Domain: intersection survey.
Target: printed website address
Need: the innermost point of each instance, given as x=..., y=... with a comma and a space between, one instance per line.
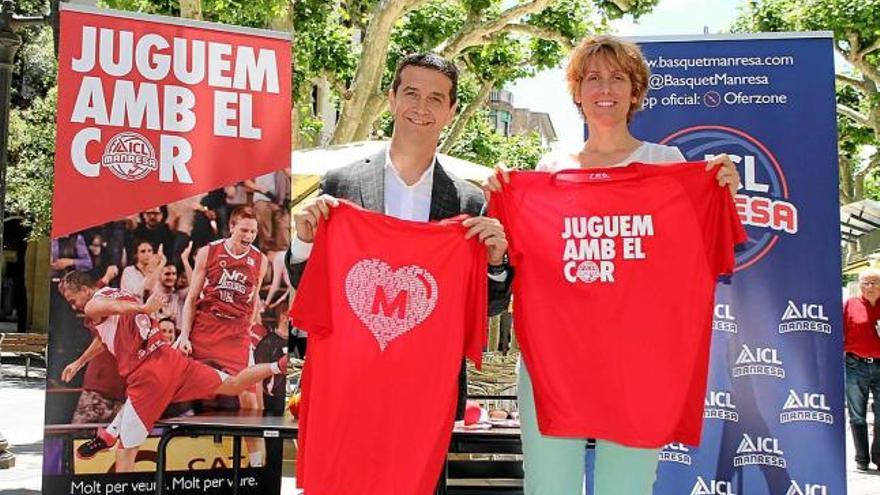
x=662, y=62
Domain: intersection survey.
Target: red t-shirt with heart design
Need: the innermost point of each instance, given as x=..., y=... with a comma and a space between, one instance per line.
x=391, y=306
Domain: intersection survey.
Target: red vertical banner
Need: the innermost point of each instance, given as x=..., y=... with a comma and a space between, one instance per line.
x=152, y=110
x=172, y=179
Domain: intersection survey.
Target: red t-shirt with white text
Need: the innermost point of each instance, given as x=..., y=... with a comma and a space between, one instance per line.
x=391, y=306
x=613, y=295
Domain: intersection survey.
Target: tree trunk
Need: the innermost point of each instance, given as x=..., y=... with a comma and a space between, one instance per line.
x=191, y=9
x=371, y=65
x=360, y=109
x=475, y=34
x=466, y=114
x=297, y=138
x=374, y=107
x=847, y=180
x=283, y=21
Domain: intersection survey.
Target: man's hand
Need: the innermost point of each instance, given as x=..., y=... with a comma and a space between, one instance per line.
x=727, y=174
x=183, y=344
x=154, y=302
x=70, y=371
x=491, y=233
x=305, y=221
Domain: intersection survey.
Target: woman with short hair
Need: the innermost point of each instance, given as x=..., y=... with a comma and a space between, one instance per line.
x=608, y=79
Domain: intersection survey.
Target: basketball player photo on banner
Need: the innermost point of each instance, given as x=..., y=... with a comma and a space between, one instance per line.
x=171, y=203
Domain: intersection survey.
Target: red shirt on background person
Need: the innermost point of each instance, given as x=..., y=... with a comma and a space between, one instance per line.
x=860, y=315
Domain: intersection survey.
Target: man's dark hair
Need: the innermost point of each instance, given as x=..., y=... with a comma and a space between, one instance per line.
x=432, y=61
x=75, y=280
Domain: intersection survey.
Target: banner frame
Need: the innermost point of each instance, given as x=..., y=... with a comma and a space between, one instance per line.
x=784, y=35
x=177, y=21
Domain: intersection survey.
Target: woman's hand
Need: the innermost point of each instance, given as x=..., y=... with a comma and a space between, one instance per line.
x=494, y=183
x=727, y=174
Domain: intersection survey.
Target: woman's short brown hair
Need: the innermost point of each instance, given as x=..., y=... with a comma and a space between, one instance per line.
x=627, y=55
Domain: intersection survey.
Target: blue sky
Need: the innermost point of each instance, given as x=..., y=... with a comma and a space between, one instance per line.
x=546, y=91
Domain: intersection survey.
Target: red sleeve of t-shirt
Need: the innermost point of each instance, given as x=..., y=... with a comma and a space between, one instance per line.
x=476, y=306
x=499, y=207
x=714, y=208
x=722, y=230
x=311, y=308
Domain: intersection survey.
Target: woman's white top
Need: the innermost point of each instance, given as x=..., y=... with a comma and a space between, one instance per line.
x=645, y=153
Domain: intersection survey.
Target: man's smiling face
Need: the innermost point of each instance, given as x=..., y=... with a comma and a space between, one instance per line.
x=422, y=105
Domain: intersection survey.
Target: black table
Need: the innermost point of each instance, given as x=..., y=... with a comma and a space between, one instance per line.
x=235, y=424
x=245, y=423
x=487, y=476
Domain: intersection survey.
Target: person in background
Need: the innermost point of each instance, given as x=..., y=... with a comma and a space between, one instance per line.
x=152, y=228
x=861, y=343
x=167, y=286
x=103, y=390
x=103, y=268
x=69, y=253
x=145, y=271
x=271, y=347
x=278, y=294
x=271, y=198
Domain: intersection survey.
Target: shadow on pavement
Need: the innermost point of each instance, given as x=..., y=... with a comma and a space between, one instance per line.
x=20, y=383
x=35, y=448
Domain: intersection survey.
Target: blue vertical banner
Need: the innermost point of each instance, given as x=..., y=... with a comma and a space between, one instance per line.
x=774, y=421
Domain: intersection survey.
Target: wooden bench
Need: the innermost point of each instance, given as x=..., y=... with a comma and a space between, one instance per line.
x=26, y=345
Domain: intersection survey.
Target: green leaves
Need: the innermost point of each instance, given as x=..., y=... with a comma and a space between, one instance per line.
x=31, y=155
x=323, y=44
x=856, y=28
x=481, y=144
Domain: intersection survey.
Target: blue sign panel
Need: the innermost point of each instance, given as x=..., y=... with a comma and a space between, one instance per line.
x=774, y=421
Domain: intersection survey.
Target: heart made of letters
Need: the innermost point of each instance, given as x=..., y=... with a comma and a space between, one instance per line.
x=390, y=302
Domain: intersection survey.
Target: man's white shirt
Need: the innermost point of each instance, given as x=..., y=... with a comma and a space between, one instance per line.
x=406, y=202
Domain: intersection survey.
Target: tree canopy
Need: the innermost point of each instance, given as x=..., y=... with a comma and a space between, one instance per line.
x=493, y=41
x=856, y=28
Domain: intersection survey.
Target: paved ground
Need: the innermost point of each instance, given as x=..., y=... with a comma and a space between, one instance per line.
x=21, y=421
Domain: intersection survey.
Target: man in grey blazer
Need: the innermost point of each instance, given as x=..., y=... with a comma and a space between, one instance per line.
x=406, y=180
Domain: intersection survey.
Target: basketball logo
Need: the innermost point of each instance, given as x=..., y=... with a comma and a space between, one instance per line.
x=129, y=156
x=588, y=272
